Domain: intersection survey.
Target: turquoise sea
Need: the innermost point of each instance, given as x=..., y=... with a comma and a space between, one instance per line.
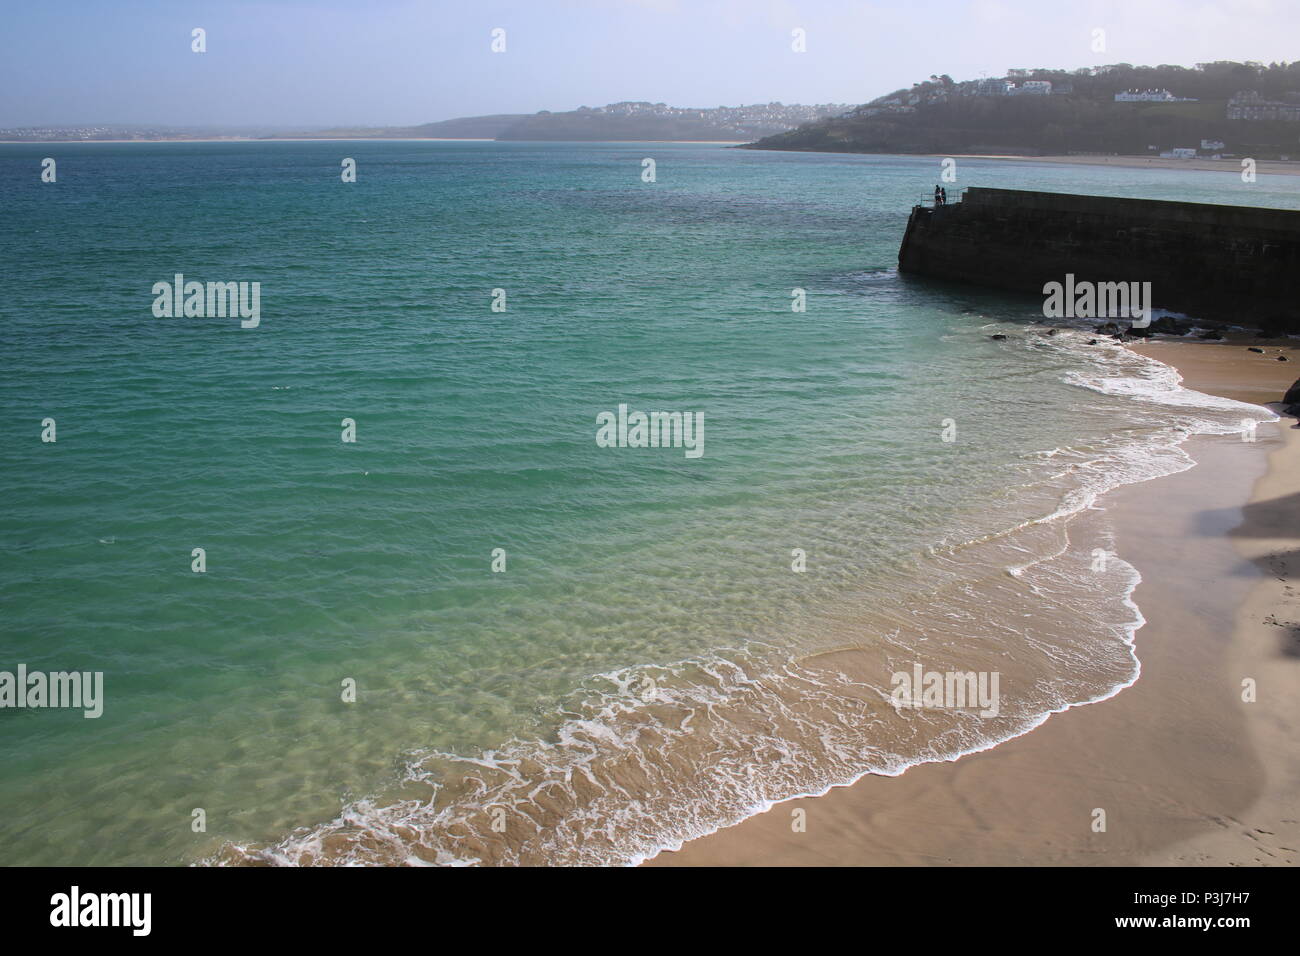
x=648, y=666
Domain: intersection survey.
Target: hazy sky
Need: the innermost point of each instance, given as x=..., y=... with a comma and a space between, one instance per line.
x=394, y=62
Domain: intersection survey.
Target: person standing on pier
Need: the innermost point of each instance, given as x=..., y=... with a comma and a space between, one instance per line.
x=938, y=195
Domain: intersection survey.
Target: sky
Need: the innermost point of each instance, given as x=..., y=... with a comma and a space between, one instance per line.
x=316, y=63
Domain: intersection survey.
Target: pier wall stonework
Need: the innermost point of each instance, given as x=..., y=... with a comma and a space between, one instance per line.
x=1225, y=264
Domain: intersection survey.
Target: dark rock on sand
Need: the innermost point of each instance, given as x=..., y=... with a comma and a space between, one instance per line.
x=1167, y=325
x=1212, y=334
x=1273, y=327
x=1292, y=396
x=1109, y=328
x=1253, y=349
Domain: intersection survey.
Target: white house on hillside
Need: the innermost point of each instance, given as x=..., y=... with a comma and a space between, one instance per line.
x=1145, y=96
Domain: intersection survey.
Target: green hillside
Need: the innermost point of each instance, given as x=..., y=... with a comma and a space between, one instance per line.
x=1080, y=115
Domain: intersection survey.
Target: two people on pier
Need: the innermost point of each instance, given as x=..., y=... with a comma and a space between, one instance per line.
x=940, y=196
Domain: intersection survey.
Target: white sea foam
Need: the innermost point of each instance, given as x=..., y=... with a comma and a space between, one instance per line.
x=729, y=735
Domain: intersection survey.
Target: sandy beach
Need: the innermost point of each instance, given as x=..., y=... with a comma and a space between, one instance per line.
x=1233, y=165
x=1187, y=772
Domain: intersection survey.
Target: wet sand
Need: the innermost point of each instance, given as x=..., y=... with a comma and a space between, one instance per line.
x=1186, y=772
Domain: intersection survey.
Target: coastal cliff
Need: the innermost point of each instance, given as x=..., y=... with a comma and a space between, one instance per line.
x=1226, y=264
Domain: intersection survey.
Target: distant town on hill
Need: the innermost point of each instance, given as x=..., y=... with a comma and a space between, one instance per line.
x=1221, y=109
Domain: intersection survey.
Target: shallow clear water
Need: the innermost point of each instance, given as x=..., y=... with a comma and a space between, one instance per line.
x=475, y=431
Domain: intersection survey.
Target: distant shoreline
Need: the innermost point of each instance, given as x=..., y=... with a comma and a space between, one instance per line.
x=1290, y=167
x=357, y=139
x=1267, y=166
x=249, y=139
